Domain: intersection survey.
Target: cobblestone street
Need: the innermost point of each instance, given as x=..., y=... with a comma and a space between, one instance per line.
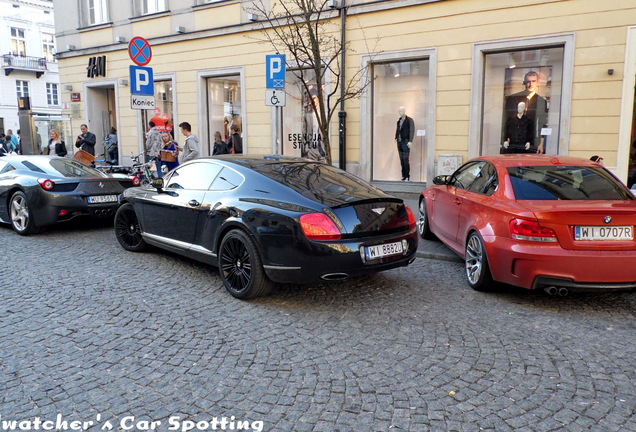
x=95, y=334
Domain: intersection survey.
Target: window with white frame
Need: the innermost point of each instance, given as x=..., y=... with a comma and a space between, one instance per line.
x=18, y=42
x=48, y=47
x=22, y=88
x=52, y=94
x=94, y=12
x=146, y=7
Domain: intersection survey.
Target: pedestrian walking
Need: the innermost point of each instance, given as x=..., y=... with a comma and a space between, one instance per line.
x=191, y=146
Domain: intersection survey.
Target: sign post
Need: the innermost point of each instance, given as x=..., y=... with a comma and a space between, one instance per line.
x=142, y=88
x=275, y=72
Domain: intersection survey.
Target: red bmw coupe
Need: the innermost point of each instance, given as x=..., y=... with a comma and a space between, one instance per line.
x=535, y=221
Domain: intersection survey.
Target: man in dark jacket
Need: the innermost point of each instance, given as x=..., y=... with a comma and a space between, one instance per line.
x=86, y=141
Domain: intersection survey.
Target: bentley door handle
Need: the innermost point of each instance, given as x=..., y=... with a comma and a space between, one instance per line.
x=194, y=203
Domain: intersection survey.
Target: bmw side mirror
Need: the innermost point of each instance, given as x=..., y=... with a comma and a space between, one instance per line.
x=440, y=180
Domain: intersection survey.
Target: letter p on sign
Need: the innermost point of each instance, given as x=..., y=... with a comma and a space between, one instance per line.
x=142, y=81
x=276, y=69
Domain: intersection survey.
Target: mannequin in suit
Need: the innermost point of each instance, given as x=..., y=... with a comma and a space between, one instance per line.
x=404, y=133
x=519, y=133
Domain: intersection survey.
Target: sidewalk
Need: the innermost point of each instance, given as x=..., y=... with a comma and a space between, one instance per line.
x=431, y=249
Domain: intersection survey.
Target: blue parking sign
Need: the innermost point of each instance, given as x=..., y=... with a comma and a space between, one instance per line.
x=142, y=81
x=275, y=70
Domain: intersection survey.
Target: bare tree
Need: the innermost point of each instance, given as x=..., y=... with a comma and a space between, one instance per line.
x=310, y=34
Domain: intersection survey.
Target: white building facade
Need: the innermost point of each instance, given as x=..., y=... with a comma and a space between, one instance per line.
x=29, y=67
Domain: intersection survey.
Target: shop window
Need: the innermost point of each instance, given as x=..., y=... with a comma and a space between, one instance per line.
x=162, y=115
x=522, y=98
x=93, y=12
x=224, y=109
x=301, y=131
x=400, y=84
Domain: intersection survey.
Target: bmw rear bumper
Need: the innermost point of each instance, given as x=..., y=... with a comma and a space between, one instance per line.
x=537, y=265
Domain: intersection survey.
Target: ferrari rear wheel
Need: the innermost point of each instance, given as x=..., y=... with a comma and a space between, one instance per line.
x=240, y=266
x=477, y=269
x=423, y=226
x=21, y=217
x=127, y=229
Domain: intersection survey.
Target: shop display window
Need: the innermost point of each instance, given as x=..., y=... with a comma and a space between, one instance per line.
x=399, y=84
x=224, y=108
x=301, y=132
x=522, y=101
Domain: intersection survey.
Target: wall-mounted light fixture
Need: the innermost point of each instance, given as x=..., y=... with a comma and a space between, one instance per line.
x=179, y=29
x=252, y=17
x=120, y=39
x=70, y=47
x=123, y=82
x=610, y=71
x=333, y=4
x=68, y=88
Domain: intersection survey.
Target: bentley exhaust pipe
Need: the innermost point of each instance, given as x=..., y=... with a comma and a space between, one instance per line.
x=334, y=276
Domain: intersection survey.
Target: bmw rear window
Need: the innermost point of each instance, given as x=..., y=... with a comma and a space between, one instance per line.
x=566, y=183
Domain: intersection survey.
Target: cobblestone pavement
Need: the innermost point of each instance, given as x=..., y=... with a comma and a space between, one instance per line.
x=92, y=333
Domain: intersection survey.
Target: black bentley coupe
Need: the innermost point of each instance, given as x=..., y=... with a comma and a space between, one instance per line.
x=270, y=219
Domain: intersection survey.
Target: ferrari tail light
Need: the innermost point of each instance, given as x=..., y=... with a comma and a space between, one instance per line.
x=46, y=184
x=136, y=181
x=319, y=226
x=412, y=221
x=522, y=229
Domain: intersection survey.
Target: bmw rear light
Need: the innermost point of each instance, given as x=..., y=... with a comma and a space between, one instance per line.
x=319, y=226
x=46, y=184
x=521, y=229
x=412, y=221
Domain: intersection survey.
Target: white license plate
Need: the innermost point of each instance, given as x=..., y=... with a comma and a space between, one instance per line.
x=604, y=232
x=98, y=199
x=383, y=250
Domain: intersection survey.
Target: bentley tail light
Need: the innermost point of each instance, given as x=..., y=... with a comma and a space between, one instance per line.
x=46, y=184
x=522, y=229
x=319, y=226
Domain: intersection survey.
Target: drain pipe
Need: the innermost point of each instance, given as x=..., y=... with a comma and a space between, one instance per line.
x=342, y=114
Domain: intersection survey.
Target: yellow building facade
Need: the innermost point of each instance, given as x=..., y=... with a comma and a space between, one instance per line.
x=454, y=65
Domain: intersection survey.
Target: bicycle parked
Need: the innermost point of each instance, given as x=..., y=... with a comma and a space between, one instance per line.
x=142, y=170
x=109, y=167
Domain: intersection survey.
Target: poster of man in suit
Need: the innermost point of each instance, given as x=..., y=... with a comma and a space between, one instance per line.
x=536, y=109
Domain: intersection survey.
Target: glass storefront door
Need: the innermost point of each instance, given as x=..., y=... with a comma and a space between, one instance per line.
x=224, y=108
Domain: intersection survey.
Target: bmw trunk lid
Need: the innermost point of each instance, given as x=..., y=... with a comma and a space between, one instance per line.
x=588, y=225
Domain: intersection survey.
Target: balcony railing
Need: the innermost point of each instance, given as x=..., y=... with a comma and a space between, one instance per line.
x=11, y=62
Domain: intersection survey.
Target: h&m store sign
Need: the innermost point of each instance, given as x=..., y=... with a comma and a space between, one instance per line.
x=96, y=67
